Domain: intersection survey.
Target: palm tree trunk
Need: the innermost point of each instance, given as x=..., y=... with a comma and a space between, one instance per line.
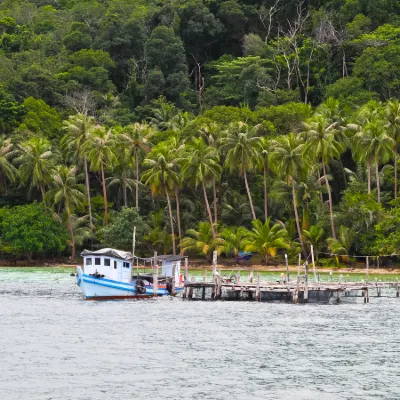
x=43, y=194
x=88, y=194
x=265, y=192
x=208, y=210
x=71, y=231
x=369, y=176
x=103, y=180
x=137, y=179
x=395, y=171
x=124, y=187
x=296, y=215
x=319, y=185
x=171, y=221
x=253, y=214
x=328, y=187
x=215, y=203
x=178, y=217
x=377, y=180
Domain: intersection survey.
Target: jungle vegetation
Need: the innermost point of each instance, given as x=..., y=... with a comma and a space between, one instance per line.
x=264, y=126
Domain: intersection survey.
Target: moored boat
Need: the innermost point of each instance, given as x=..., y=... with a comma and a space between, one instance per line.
x=107, y=274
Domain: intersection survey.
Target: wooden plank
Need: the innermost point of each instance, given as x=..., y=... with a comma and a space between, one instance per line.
x=155, y=275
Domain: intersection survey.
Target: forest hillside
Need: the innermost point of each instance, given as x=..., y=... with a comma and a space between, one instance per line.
x=236, y=125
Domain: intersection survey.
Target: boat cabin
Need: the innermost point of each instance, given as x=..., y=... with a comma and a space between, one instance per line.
x=108, y=263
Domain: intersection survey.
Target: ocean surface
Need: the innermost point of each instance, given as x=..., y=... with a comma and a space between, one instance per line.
x=55, y=345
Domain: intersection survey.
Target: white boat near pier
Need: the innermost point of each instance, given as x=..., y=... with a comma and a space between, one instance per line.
x=107, y=274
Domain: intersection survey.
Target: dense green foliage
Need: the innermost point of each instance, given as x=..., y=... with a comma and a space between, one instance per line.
x=227, y=124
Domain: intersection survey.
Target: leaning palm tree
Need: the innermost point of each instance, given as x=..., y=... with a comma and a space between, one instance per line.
x=78, y=128
x=69, y=194
x=266, y=239
x=265, y=151
x=7, y=170
x=36, y=162
x=392, y=111
x=162, y=175
x=314, y=236
x=201, y=164
x=242, y=146
x=322, y=143
x=100, y=151
x=136, y=137
x=288, y=160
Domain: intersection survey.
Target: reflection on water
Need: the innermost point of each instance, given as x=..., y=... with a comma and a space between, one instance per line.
x=57, y=346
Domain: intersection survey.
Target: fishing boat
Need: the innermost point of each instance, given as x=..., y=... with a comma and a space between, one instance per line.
x=107, y=274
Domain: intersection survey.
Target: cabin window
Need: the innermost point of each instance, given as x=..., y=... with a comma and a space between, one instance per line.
x=97, y=261
x=126, y=265
x=115, y=265
x=88, y=261
x=107, y=262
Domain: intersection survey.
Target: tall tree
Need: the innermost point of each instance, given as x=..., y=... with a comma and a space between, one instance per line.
x=162, y=176
x=322, y=143
x=201, y=164
x=287, y=159
x=78, y=128
x=265, y=151
x=242, y=146
x=36, y=163
x=136, y=137
x=100, y=151
x=7, y=170
x=69, y=194
x=392, y=111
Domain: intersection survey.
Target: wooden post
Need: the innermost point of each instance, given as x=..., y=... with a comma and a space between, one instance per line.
x=313, y=263
x=155, y=276
x=218, y=292
x=367, y=273
x=367, y=296
x=251, y=276
x=287, y=269
x=298, y=266
x=397, y=288
x=241, y=293
x=204, y=275
x=133, y=240
x=186, y=270
x=203, y=296
x=258, y=293
x=214, y=263
x=306, y=283
x=173, y=292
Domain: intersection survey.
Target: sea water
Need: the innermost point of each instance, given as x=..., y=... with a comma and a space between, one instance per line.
x=55, y=345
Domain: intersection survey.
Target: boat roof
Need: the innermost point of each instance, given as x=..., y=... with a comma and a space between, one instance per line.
x=123, y=255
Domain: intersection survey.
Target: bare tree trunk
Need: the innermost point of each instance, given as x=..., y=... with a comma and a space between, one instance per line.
x=369, y=176
x=137, y=179
x=124, y=190
x=265, y=192
x=103, y=180
x=208, y=210
x=395, y=171
x=296, y=215
x=171, y=221
x=253, y=214
x=328, y=187
x=178, y=217
x=378, y=188
x=215, y=203
x=88, y=194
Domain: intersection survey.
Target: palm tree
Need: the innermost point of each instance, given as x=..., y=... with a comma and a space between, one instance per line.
x=78, y=128
x=100, y=150
x=203, y=241
x=378, y=145
x=7, y=170
x=201, y=164
x=233, y=240
x=242, y=147
x=37, y=163
x=322, y=144
x=392, y=110
x=314, y=236
x=287, y=158
x=342, y=245
x=162, y=175
x=136, y=137
x=68, y=193
x=265, y=151
x=266, y=239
